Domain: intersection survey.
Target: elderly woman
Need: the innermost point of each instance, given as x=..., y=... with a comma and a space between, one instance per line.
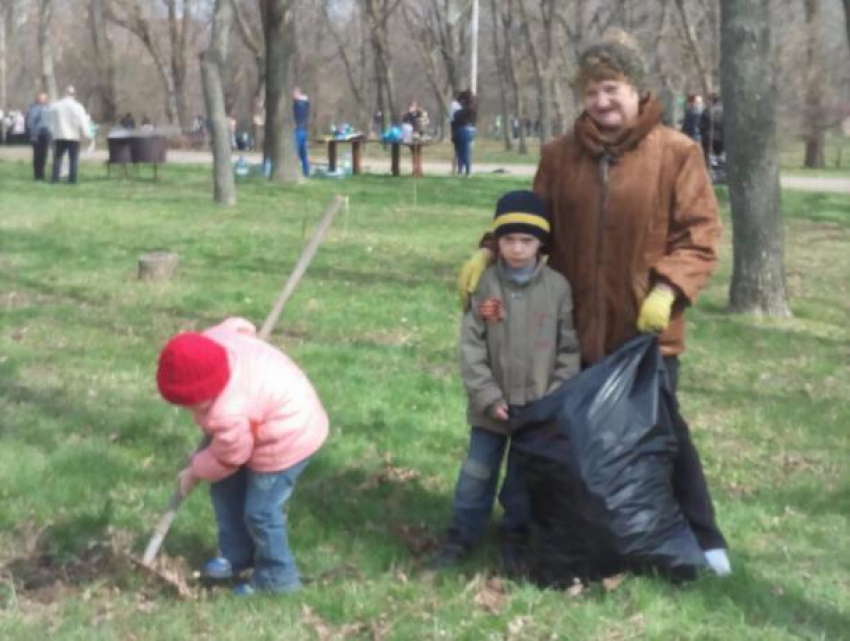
x=635, y=230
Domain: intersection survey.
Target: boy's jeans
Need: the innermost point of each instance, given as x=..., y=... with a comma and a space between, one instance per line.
x=249, y=510
x=476, y=489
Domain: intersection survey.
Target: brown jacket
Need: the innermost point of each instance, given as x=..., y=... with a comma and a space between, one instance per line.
x=526, y=354
x=628, y=213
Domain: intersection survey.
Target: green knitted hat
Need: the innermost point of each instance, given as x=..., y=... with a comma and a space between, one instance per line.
x=616, y=56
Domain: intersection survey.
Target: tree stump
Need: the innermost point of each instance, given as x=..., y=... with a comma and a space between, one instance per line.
x=158, y=265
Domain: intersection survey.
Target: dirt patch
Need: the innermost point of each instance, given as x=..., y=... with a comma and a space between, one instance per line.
x=40, y=575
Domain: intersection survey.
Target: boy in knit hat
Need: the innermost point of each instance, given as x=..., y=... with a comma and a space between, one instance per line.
x=517, y=344
x=263, y=421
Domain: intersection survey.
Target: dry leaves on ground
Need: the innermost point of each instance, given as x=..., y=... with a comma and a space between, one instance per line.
x=418, y=538
x=490, y=593
x=376, y=630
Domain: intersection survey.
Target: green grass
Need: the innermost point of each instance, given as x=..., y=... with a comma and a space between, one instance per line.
x=89, y=451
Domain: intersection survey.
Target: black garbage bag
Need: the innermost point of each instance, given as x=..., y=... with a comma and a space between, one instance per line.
x=598, y=458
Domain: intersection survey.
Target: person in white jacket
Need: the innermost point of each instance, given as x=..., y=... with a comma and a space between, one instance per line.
x=69, y=123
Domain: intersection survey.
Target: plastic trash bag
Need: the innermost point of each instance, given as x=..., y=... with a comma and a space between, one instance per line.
x=598, y=458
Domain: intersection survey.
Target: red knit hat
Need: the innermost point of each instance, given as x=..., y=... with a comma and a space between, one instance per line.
x=192, y=369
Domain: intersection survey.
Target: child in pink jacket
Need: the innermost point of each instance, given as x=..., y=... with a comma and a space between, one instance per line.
x=263, y=421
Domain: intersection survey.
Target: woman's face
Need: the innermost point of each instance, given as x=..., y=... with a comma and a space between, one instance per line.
x=611, y=104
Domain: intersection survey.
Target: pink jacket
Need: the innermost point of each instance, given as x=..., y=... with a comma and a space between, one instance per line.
x=268, y=417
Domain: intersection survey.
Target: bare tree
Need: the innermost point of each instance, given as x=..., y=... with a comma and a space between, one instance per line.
x=814, y=124
x=252, y=38
x=510, y=33
x=498, y=56
x=104, y=62
x=212, y=61
x=749, y=90
x=378, y=14
x=541, y=49
x=7, y=13
x=354, y=69
x=694, y=47
x=45, y=48
x=279, y=33
x=171, y=61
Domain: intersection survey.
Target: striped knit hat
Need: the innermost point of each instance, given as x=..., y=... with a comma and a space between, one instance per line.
x=521, y=212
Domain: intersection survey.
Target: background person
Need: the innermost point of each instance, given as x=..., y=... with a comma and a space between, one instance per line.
x=69, y=123
x=38, y=127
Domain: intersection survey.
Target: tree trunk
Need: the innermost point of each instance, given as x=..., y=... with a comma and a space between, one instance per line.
x=507, y=20
x=108, y=104
x=178, y=31
x=5, y=17
x=377, y=17
x=279, y=32
x=693, y=47
x=500, y=73
x=814, y=117
x=45, y=49
x=847, y=21
x=749, y=90
x=542, y=57
x=212, y=62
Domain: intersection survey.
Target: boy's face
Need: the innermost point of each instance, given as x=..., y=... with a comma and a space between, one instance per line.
x=519, y=250
x=611, y=104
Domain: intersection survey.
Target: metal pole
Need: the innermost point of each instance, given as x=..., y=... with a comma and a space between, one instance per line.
x=473, y=67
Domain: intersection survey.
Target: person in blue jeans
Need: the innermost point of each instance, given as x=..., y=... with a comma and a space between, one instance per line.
x=250, y=511
x=301, y=115
x=517, y=344
x=463, y=130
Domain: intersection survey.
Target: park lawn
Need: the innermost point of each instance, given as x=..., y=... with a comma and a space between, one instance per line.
x=89, y=451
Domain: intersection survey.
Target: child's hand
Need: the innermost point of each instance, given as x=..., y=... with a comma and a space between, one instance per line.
x=500, y=412
x=491, y=310
x=186, y=481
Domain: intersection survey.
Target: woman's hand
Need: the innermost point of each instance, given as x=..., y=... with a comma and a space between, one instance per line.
x=656, y=309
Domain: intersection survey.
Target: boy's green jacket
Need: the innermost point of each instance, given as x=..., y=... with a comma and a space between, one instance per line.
x=524, y=355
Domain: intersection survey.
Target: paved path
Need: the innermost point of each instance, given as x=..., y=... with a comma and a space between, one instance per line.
x=831, y=184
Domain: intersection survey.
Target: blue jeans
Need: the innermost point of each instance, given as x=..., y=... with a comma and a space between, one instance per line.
x=465, y=136
x=301, y=146
x=476, y=489
x=249, y=510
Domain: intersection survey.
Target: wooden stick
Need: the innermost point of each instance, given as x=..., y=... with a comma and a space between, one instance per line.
x=167, y=518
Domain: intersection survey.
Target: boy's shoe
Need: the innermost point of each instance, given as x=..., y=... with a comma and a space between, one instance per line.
x=718, y=561
x=450, y=554
x=244, y=589
x=514, y=549
x=218, y=569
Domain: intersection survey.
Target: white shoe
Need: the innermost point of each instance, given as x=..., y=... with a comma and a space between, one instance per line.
x=718, y=561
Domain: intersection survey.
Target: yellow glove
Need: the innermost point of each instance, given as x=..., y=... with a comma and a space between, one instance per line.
x=470, y=274
x=655, y=313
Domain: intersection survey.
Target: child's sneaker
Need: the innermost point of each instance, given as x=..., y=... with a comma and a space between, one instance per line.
x=718, y=561
x=244, y=589
x=218, y=568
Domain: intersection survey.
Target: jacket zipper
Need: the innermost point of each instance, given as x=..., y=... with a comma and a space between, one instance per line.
x=605, y=161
